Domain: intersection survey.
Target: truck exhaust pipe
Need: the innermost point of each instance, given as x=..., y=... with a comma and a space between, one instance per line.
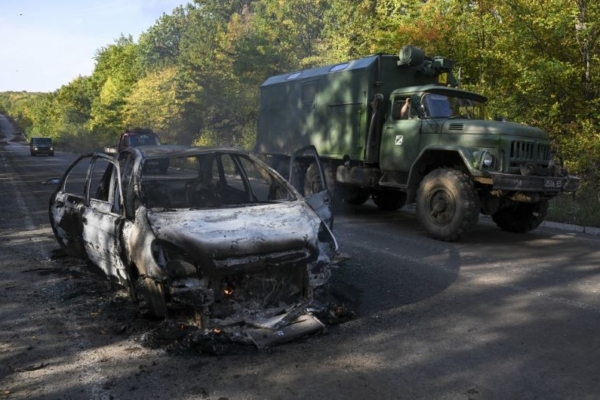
x=371, y=151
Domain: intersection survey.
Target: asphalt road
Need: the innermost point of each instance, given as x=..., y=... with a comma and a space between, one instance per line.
x=495, y=316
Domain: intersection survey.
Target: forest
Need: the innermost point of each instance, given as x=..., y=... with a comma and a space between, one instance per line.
x=194, y=76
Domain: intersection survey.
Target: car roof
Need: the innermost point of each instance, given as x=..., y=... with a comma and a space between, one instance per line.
x=168, y=150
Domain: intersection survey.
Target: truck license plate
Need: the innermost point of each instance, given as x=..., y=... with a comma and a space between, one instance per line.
x=552, y=183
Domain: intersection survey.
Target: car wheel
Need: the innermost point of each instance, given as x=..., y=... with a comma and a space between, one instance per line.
x=521, y=217
x=447, y=204
x=151, y=298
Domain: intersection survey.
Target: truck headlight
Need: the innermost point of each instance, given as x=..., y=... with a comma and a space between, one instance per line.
x=483, y=160
x=487, y=160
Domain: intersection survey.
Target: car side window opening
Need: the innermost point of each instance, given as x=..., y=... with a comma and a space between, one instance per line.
x=231, y=174
x=103, y=185
x=265, y=187
x=101, y=173
x=74, y=183
x=126, y=161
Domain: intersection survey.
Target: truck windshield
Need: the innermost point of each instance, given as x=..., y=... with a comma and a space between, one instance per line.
x=453, y=106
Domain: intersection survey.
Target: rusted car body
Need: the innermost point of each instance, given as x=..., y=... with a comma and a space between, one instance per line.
x=218, y=231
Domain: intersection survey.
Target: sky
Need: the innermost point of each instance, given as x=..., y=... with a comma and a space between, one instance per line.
x=45, y=44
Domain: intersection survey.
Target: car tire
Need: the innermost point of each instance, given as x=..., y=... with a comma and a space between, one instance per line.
x=521, y=217
x=151, y=298
x=447, y=204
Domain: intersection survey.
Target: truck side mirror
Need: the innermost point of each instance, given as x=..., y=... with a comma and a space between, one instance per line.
x=416, y=107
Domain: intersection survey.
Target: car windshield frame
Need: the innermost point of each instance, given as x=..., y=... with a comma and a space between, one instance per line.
x=210, y=180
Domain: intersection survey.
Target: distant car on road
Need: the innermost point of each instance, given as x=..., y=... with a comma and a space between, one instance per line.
x=41, y=145
x=138, y=137
x=219, y=231
x=135, y=138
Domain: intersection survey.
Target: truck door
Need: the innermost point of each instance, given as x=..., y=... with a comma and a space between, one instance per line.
x=314, y=185
x=400, y=141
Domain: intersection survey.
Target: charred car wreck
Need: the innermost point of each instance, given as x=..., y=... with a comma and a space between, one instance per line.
x=216, y=230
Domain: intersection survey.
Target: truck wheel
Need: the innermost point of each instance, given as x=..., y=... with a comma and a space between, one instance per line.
x=389, y=201
x=355, y=197
x=151, y=298
x=521, y=217
x=447, y=204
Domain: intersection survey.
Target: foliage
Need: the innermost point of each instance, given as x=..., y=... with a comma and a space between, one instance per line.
x=194, y=76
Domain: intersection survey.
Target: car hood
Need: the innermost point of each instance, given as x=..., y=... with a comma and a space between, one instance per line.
x=239, y=232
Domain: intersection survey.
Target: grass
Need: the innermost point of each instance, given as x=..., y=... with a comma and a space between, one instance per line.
x=581, y=208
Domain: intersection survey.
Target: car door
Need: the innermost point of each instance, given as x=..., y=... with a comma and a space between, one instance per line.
x=314, y=185
x=66, y=207
x=102, y=216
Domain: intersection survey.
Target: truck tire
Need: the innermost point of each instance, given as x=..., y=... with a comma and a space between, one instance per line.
x=151, y=298
x=447, y=204
x=355, y=197
x=521, y=217
x=389, y=201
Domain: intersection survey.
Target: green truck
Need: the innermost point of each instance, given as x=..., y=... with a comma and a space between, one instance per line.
x=397, y=129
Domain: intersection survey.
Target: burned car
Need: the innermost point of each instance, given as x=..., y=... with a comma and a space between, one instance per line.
x=218, y=231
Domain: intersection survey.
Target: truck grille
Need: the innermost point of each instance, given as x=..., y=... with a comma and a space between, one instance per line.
x=522, y=152
x=544, y=152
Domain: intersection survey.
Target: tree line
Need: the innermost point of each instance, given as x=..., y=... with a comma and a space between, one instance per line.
x=194, y=76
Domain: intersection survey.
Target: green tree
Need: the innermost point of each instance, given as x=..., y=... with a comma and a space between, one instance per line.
x=159, y=46
x=118, y=68
x=153, y=102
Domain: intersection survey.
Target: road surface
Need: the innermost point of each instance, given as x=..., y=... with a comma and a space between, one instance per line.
x=495, y=316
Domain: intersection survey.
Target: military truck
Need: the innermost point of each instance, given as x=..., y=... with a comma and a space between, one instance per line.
x=398, y=129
